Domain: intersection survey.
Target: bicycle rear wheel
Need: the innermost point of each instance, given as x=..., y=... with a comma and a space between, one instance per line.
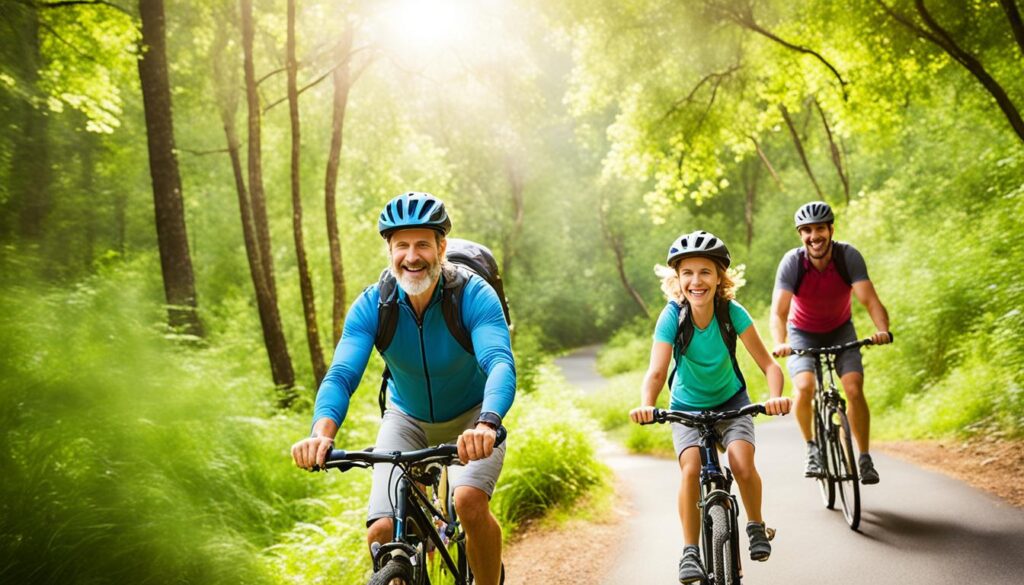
x=723, y=570
x=847, y=477
x=826, y=481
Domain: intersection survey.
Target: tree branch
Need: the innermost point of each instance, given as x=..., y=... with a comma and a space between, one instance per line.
x=318, y=80
x=764, y=158
x=204, y=152
x=1013, y=15
x=64, y=3
x=837, y=160
x=746, y=20
x=689, y=98
x=800, y=148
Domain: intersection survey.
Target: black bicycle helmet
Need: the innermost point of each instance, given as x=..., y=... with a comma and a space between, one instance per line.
x=813, y=212
x=699, y=243
x=414, y=210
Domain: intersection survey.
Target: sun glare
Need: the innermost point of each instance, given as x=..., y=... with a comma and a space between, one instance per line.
x=426, y=25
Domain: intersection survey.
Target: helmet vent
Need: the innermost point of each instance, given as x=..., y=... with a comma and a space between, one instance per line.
x=413, y=204
x=401, y=209
x=427, y=206
x=391, y=214
x=699, y=242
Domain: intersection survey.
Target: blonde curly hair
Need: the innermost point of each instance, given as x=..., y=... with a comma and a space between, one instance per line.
x=731, y=278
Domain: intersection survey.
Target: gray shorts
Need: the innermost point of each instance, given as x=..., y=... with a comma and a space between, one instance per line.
x=742, y=428
x=401, y=432
x=847, y=361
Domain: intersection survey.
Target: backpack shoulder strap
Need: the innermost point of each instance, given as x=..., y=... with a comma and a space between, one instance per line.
x=387, y=323
x=725, y=326
x=839, y=257
x=729, y=335
x=684, y=335
x=800, y=270
x=387, y=311
x=455, y=279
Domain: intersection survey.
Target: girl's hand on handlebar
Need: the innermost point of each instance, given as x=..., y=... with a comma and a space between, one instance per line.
x=312, y=451
x=778, y=406
x=642, y=415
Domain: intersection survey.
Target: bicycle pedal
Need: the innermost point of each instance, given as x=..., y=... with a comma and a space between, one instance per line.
x=770, y=532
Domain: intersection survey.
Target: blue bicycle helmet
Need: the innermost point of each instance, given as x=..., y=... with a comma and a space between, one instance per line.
x=414, y=210
x=699, y=243
x=813, y=212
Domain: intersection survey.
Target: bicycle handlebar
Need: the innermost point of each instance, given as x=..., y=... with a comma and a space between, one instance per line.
x=446, y=454
x=834, y=349
x=704, y=417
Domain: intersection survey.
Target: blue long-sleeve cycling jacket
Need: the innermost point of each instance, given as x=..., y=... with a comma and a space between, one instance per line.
x=433, y=378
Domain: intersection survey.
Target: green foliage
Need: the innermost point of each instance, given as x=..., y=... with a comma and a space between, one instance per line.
x=551, y=460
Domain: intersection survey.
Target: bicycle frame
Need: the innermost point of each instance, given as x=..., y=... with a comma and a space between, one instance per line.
x=715, y=488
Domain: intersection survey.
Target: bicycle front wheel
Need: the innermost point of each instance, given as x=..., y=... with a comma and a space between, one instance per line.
x=395, y=572
x=847, y=477
x=826, y=481
x=723, y=563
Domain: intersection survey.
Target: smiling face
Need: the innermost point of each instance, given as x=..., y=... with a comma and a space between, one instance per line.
x=699, y=280
x=416, y=259
x=817, y=239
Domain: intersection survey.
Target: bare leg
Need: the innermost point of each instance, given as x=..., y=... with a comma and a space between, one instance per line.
x=860, y=417
x=483, y=535
x=741, y=461
x=803, y=391
x=689, y=493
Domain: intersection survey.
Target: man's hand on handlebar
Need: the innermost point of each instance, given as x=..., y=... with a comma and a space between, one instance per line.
x=881, y=338
x=312, y=451
x=782, y=350
x=476, y=443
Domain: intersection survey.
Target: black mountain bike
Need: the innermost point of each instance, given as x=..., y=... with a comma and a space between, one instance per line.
x=831, y=433
x=720, y=535
x=424, y=517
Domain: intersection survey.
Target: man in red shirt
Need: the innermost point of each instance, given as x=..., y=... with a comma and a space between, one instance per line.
x=811, y=308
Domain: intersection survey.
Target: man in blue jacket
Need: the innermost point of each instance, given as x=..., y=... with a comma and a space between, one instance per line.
x=437, y=391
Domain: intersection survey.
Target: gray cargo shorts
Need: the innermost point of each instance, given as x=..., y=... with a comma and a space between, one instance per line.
x=741, y=428
x=401, y=432
x=847, y=361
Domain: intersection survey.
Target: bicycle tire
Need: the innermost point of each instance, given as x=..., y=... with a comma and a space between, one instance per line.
x=826, y=482
x=848, y=478
x=394, y=569
x=722, y=569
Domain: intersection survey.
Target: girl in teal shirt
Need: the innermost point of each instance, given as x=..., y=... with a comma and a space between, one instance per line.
x=707, y=380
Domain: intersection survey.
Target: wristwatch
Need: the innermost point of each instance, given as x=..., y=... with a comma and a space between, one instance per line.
x=490, y=419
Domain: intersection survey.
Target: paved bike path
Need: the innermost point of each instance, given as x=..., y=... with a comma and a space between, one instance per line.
x=917, y=526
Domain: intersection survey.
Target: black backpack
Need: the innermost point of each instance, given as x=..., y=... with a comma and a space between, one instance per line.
x=838, y=256
x=685, y=329
x=465, y=259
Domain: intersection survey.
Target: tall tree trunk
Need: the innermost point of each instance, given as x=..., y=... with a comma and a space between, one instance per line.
x=259, y=205
x=31, y=178
x=270, y=319
x=342, y=84
x=515, y=183
x=800, y=149
x=1016, y=24
x=316, y=352
x=175, y=261
x=618, y=248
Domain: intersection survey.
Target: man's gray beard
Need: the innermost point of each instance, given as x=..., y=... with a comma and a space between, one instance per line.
x=413, y=287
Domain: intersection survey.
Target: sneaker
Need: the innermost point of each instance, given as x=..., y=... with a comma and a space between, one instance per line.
x=760, y=548
x=814, y=467
x=690, y=569
x=868, y=474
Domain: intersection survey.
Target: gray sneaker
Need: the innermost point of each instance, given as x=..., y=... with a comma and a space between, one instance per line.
x=814, y=467
x=760, y=548
x=690, y=569
x=868, y=474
